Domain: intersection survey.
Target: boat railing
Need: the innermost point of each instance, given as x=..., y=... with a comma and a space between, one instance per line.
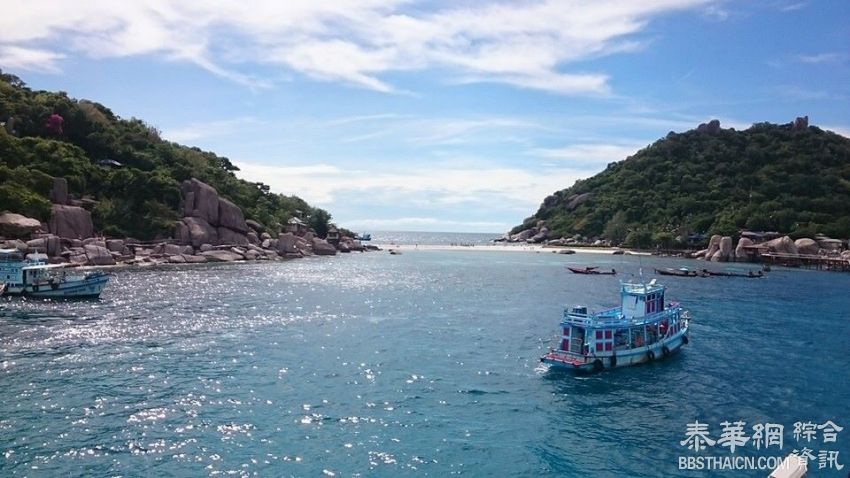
x=612, y=311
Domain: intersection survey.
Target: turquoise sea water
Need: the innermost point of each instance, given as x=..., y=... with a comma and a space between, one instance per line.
x=420, y=364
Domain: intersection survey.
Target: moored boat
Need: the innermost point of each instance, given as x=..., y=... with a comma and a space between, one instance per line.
x=680, y=272
x=591, y=271
x=640, y=330
x=34, y=277
x=750, y=274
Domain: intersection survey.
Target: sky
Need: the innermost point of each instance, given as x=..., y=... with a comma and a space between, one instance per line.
x=435, y=116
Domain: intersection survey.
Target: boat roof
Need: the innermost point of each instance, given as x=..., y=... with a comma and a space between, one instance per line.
x=612, y=318
x=44, y=266
x=641, y=288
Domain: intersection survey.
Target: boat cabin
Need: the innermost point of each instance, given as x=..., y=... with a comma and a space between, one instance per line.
x=18, y=270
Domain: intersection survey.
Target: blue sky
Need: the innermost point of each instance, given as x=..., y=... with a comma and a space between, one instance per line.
x=440, y=116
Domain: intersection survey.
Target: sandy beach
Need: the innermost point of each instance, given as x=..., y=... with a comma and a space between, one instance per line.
x=504, y=248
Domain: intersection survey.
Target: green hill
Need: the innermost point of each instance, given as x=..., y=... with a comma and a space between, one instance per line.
x=791, y=178
x=139, y=199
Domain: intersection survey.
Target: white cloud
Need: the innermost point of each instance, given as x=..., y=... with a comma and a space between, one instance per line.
x=818, y=58
x=322, y=184
x=590, y=154
x=527, y=44
x=843, y=130
x=195, y=131
x=716, y=13
x=797, y=93
x=33, y=59
x=438, y=131
x=792, y=7
x=427, y=223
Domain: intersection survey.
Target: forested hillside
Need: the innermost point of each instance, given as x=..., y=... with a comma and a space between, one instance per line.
x=791, y=178
x=128, y=174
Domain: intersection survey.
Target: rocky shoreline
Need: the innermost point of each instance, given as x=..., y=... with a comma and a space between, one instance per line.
x=720, y=248
x=212, y=229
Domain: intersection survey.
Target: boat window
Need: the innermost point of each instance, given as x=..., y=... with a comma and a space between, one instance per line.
x=651, y=334
x=663, y=327
x=605, y=340
x=621, y=338
x=637, y=337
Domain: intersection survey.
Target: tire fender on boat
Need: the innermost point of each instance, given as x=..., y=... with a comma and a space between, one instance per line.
x=665, y=351
x=650, y=355
x=613, y=361
x=597, y=365
x=685, y=339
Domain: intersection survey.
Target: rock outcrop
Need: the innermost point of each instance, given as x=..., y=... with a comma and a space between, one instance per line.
x=231, y=237
x=712, y=127
x=16, y=225
x=724, y=250
x=523, y=236
x=199, y=232
x=200, y=200
x=256, y=226
x=828, y=243
x=782, y=245
x=210, y=219
x=741, y=254
x=713, y=247
x=286, y=243
x=577, y=200
x=222, y=256
x=540, y=236
x=231, y=217
x=71, y=222
x=59, y=192
x=213, y=229
x=115, y=245
x=98, y=256
x=806, y=246
x=322, y=247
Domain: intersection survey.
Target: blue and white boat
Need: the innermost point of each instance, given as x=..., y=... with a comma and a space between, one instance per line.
x=32, y=276
x=643, y=328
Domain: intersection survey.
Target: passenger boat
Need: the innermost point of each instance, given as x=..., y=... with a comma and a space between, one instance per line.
x=32, y=276
x=591, y=271
x=642, y=329
x=363, y=237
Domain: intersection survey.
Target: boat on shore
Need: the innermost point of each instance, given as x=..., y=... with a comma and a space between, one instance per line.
x=680, y=272
x=591, y=271
x=643, y=328
x=32, y=276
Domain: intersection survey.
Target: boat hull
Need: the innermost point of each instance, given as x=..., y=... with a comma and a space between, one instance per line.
x=626, y=358
x=88, y=287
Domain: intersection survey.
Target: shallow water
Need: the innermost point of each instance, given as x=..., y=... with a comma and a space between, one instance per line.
x=380, y=365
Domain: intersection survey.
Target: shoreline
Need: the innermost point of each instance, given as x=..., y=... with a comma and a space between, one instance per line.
x=536, y=248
